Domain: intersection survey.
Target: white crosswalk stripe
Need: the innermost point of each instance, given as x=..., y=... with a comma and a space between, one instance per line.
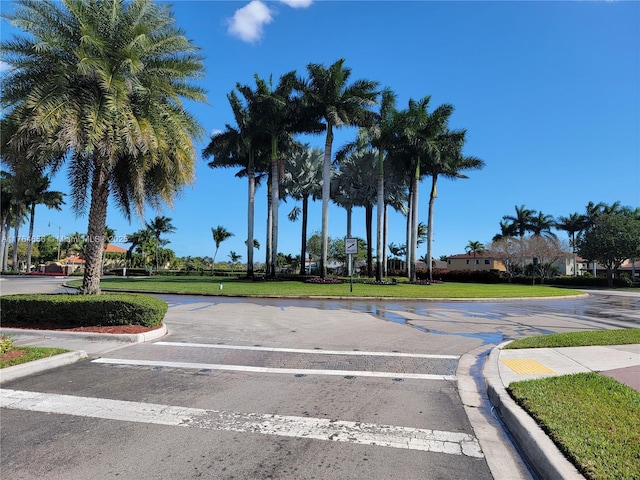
x=289, y=371
x=453, y=443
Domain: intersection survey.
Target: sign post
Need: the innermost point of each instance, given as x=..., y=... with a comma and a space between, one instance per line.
x=351, y=248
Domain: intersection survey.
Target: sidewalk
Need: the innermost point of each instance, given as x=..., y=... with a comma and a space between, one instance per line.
x=621, y=362
x=81, y=345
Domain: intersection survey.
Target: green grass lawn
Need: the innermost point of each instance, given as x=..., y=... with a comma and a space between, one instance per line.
x=232, y=287
x=594, y=419
x=33, y=353
x=623, y=336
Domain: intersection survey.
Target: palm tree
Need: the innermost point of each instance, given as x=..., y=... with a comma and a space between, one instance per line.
x=475, y=248
x=358, y=180
x=521, y=224
x=542, y=224
x=521, y=221
x=279, y=115
x=507, y=230
x=330, y=98
x=242, y=146
x=159, y=226
x=572, y=224
x=109, y=233
x=6, y=211
x=303, y=179
x=104, y=87
x=220, y=234
x=380, y=135
x=235, y=258
x=142, y=242
x=406, y=153
x=449, y=162
x=38, y=194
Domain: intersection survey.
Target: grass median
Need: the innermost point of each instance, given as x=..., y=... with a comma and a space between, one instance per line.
x=223, y=286
x=593, y=419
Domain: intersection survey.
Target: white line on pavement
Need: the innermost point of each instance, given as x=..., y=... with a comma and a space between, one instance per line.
x=290, y=371
x=453, y=443
x=307, y=350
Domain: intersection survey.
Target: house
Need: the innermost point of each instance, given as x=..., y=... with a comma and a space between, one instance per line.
x=480, y=262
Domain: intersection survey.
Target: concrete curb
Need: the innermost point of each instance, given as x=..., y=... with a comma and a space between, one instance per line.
x=89, y=336
x=24, y=369
x=542, y=454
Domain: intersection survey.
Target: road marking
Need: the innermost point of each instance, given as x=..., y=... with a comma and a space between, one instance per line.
x=453, y=443
x=290, y=371
x=526, y=366
x=308, y=350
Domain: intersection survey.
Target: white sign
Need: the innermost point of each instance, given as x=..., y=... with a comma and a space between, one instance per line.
x=351, y=246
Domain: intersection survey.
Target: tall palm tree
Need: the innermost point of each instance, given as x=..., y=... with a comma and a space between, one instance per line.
x=447, y=161
x=572, y=224
x=380, y=135
x=159, y=226
x=104, y=87
x=521, y=224
x=243, y=145
x=407, y=154
x=475, y=248
x=541, y=225
x=220, y=234
x=329, y=97
x=6, y=211
x=522, y=220
x=303, y=180
x=507, y=230
x=279, y=115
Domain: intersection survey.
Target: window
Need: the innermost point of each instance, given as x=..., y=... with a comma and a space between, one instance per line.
x=487, y=262
x=477, y=262
x=467, y=262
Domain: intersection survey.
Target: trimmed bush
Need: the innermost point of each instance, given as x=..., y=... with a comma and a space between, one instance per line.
x=6, y=344
x=72, y=311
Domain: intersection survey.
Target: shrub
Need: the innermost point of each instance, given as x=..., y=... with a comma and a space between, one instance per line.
x=6, y=344
x=326, y=280
x=71, y=311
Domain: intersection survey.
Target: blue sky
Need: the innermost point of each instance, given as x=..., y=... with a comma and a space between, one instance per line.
x=549, y=93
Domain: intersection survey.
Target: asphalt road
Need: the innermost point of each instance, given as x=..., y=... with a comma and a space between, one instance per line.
x=287, y=389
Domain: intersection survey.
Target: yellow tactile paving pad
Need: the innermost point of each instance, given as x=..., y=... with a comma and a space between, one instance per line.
x=527, y=366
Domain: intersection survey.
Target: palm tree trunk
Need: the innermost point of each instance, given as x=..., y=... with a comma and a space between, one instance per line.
x=250, y=214
x=349, y=215
x=5, y=249
x=432, y=199
x=368, y=215
x=30, y=238
x=95, y=235
x=2, y=242
x=275, y=200
x=16, y=236
x=384, y=240
x=380, y=217
x=409, y=230
x=269, y=231
x=326, y=194
x=303, y=246
x=414, y=223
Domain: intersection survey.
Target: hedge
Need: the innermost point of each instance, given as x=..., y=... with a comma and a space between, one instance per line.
x=72, y=311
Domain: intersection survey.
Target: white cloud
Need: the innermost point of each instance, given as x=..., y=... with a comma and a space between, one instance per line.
x=4, y=66
x=247, y=23
x=298, y=3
